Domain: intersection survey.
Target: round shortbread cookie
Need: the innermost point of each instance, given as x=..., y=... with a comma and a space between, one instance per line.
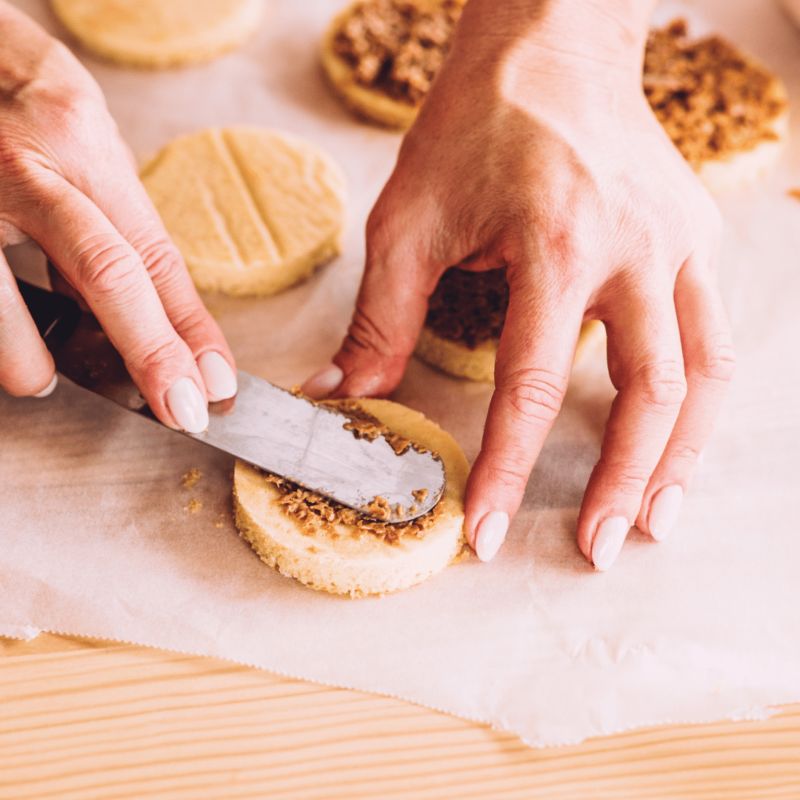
x=339, y=558
x=477, y=364
x=252, y=211
x=159, y=33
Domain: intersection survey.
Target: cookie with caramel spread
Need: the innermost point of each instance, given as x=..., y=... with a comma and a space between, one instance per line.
x=332, y=548
x=382, y=55
x=725, y=112
x=466, y=314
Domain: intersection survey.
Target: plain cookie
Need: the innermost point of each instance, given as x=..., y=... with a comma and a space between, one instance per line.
x=159, y=33
x=252, y=211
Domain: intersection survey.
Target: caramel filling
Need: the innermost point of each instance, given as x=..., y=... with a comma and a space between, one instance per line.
x=469, y=307
x=396, y=46
x=711, y=101
x=318, y=515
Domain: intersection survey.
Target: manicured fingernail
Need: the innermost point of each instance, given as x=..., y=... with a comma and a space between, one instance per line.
x=324, y=382
x=490, y=534
x=664, y=510
x=49, y=389
x=218, y=377
x=608, y=541
x=186, y=405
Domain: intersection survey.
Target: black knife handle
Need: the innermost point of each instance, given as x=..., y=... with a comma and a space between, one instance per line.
x=56, y=315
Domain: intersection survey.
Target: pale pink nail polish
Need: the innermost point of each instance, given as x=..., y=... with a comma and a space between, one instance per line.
x=218, y=376
x=324, y=382
x=490, y=534
x=608, y=541
x=49, y=389
x=664, y=510
x=187, y=406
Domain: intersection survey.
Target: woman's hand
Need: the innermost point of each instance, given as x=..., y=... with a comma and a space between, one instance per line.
x=69, y=182
x=536, y=149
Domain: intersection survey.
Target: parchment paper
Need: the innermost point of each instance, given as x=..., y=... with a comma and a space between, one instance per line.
x=96, y=537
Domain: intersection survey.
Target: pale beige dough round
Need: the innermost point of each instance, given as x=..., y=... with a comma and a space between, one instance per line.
x=252, y=211
x=366, y=565
x=456, y=359
x=159, y=33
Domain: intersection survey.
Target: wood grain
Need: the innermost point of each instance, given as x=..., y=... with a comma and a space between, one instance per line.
x=96, y=720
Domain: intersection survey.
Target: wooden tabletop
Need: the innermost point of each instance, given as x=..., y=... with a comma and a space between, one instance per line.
x=95, y=720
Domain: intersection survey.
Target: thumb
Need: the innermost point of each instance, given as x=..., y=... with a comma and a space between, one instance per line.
x=390, y=312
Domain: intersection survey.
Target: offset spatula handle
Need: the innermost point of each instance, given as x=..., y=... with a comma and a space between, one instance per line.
x=56, y=316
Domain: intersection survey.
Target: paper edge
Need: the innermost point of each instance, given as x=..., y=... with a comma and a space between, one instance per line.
x=750, y=713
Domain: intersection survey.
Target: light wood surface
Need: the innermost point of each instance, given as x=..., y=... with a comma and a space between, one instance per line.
x=96, y=720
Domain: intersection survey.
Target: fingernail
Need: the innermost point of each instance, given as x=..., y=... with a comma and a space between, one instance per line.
x=323, y=383
x=701, y=457
x=490, y=534
x=186, y=405
x=218, y=377
x=664, y=510
x=608, y=541
x=49, y=389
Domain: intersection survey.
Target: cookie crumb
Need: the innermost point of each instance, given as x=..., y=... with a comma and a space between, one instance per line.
x=194, y=506
x=218, y=524
x=794, y=194
x=189, y=480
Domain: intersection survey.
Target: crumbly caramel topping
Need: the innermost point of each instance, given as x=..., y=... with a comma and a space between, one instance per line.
x=794, y=194
x=469, y=307
x=319, y=514
x=711, y=101
x=397, y=46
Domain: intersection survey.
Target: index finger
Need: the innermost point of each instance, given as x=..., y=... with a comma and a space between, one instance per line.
x=534, y=361
x=111, y=276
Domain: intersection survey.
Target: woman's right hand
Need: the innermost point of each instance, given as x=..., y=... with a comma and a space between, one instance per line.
x=69, y=182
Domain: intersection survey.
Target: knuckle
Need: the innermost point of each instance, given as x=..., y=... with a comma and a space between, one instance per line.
x=662, y=385
x=106, y=269
x=535, y=395
x=506, y=470
x=194, y=323
x=366, y=335
x=156, y=357
x=717, y=362
x=161, y=258
x=684, y=454
x=624, y=478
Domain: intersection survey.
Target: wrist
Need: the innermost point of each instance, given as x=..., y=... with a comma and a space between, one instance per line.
x=594, y=40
